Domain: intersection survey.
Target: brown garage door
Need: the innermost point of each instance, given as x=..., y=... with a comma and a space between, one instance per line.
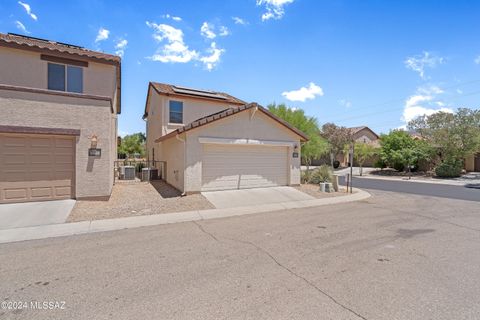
x=36, y=167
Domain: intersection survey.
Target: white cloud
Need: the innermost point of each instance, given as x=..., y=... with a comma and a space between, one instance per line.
x=459, y=91
x=28, y=9
x=304, y=93
x=173, y=49
x=213, y=58
x=238, y=20
x=206, y=31
x=419, y=63
x=344, y=103
x=477, y=60
x=20, y=26
x=224, y=31
x=424, y=102
x=275, y=8
x=175, y=18
x=121, y=45
x=102, y=35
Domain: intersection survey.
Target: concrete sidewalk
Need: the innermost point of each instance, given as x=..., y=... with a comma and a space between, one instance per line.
x=84, y=227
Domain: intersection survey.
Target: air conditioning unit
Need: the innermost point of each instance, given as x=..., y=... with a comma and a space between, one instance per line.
x=127, y=173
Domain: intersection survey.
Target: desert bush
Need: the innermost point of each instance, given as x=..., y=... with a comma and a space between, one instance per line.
x=323, y=173
x=449, y=169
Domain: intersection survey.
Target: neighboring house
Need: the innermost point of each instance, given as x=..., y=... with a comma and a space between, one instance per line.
x=363, y=134
x=57, y=101
x=213, y=141
x=471, y=162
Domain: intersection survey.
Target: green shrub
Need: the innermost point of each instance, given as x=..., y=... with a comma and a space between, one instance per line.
x=139, y=166
x=380, y=164
x=305, y=176
x=449, y=169
x=323, y=173
x=398, y=166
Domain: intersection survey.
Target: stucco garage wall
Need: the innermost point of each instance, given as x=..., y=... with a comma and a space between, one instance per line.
x=239, y=126
x=93, y=176
x=172, y=151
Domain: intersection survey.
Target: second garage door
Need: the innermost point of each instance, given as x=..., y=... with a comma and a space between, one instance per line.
x=227, y=167
x=36, y=167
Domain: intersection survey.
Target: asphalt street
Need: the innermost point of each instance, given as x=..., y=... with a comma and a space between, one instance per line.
x=419, y=188
x=392, y=256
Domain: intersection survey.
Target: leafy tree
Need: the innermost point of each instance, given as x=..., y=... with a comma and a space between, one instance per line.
x=455, y=136
x=338, y=138
x=400, y=150
x=363, y=152
x=133, y=144
x=316, y=146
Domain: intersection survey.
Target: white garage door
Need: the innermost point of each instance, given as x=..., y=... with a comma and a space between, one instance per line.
x=227, y=167
x=36, y=167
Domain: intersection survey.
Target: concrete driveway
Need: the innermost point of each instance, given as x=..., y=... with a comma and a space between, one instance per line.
x=257, y=196
x=28, y=214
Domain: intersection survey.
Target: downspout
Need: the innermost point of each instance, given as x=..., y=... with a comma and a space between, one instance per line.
x=184, y=162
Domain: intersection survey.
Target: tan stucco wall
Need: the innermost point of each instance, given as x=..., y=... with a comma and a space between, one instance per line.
x=470, y=163
x=26, y=69
x=239, y=126
x=158, y=115
x=94, y=176
x=174, y=158
x=154, y=126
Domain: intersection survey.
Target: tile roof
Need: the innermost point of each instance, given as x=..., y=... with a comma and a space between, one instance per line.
x=168, y=89
x=356, y=130
x=229, y=112
x=43, y=45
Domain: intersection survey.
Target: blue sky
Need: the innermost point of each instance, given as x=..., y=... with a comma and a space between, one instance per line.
x=360, y=62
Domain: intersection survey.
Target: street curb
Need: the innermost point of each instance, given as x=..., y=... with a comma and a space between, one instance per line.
x=85, y=227
x=413, y=180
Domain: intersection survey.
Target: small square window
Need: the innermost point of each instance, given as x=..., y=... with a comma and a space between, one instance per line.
x=56, y=77
x=74, y=79
x=176, y=111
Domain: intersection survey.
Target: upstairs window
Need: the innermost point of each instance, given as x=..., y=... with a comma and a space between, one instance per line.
x=176, y=111
x=65, y=78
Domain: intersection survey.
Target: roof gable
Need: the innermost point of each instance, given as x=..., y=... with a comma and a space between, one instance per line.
x=227, y=113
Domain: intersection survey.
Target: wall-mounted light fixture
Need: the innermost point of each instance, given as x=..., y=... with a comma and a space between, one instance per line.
x=93, y=151
x=93, y=141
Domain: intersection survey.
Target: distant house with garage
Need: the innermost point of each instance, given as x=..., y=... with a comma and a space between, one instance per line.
x=208, y=140
x=58, y=125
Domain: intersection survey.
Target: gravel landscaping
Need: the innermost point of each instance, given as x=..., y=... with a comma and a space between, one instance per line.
x=138, y=198
x=314, y=191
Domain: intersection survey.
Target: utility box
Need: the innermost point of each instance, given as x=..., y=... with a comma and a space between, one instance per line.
x=127, y=173
x=149, y=174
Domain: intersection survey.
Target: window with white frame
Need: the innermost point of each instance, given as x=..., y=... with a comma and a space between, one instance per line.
x=176, y=111
x=63, y=77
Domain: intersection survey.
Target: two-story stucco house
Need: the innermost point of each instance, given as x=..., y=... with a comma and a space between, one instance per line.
x=212, y=141
x=58, y=125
